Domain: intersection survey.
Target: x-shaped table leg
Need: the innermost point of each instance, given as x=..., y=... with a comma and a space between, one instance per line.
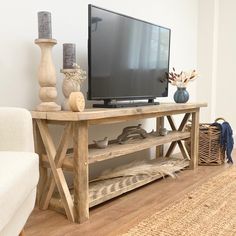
x=179, y=142
x=57, y=177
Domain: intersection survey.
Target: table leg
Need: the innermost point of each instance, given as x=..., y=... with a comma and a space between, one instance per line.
x=60, y=156
x=159, y=125
x=194, y=140
x=39, y=149
x=81, y=186
x=58, y=175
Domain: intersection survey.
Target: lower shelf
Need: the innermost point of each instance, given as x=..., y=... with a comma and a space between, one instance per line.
x=113, y=185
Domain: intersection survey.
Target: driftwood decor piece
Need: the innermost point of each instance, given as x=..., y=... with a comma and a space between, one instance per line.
x=131, y=132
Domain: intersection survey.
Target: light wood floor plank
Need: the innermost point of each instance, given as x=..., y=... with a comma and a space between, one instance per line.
x=120, y=214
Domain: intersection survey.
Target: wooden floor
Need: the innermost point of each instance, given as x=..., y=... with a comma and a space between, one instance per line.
x=120, y=214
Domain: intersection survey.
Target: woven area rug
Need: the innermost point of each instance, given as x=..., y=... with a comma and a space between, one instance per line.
x=209, y=210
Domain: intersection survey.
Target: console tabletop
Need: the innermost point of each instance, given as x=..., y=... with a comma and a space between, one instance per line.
x=106, y=113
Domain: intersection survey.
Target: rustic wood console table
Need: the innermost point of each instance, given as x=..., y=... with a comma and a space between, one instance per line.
x=54, y=160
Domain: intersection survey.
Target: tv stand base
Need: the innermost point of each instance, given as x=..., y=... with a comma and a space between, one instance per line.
x=109, y=104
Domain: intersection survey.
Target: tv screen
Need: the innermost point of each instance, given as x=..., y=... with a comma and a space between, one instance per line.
x=127, y=57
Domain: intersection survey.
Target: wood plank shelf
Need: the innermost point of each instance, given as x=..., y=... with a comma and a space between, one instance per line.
x=115, y=150
x=104, y=190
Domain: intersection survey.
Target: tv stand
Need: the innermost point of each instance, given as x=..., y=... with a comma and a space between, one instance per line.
x=56, y=159
x=109, y=104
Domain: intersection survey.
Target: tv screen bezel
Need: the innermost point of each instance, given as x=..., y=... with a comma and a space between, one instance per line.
x=89, y=94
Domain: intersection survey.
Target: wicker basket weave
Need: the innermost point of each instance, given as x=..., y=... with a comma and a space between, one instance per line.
x=210, y=150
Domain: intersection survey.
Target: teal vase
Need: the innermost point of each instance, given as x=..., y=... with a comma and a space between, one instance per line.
x=181, y=95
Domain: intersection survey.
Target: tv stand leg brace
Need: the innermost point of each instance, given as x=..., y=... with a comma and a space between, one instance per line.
x=194, y=137
x=56, y=177
x=77, y=210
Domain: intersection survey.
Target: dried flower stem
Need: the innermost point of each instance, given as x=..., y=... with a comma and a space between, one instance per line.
x=182, y=79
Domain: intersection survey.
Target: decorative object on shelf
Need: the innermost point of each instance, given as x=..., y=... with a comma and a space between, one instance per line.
x=163, y=131
x=69, y=55
x=161, y=166
x=76, y=101
x=152, y=132
x=44, y=25
x=181, y=95
x=47, y=77
x=131, y=132
x=46, y=71
x=101, y=143
x=73, y=78
x=180, y=80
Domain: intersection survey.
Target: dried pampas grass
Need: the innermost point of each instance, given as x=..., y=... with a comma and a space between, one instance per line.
x=162, y=166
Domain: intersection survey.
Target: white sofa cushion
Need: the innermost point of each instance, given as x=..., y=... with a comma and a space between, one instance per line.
x=16, y=130
x=19, y=174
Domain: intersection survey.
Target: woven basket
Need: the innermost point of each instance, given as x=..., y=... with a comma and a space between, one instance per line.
x=210, y=150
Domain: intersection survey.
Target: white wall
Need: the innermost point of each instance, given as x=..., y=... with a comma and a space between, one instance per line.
x=216, y=59
x=207, y=56
x=226, y=62
x=20, y=57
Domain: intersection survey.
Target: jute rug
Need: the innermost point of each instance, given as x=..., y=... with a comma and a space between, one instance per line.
x=209, y=210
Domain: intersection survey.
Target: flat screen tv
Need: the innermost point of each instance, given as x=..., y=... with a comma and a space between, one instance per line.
x=127, y=58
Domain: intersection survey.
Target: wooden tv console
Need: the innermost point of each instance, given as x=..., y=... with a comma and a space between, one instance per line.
x=54, y=160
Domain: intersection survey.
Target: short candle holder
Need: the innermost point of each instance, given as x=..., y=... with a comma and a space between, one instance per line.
x=47, y=77
x=73, y=78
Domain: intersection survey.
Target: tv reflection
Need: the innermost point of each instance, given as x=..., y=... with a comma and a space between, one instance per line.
x=94, y=22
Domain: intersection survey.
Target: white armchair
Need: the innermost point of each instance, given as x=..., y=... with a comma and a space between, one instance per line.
x=19, y=170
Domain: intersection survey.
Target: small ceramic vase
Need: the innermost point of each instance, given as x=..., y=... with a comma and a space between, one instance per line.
x=181, y=95
x=101, y=143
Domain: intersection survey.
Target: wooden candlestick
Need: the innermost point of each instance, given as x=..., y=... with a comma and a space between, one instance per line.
x=47, y=77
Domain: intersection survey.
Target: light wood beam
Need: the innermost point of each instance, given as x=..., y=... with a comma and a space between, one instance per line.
x=194, y=139
x=59, y=158
x=159, y=125
x=81, y=186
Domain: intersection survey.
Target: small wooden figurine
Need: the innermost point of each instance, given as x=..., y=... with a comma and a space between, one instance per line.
x=76, y=101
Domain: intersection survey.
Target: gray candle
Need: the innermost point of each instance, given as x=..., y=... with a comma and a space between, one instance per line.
x=69, y=55
x=44, y=25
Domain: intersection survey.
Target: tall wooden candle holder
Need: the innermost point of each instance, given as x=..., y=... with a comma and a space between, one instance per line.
x=73, y=78
x=47, y=77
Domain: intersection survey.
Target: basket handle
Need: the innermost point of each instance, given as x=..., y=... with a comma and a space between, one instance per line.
x=220, y=118
x=216, y=120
